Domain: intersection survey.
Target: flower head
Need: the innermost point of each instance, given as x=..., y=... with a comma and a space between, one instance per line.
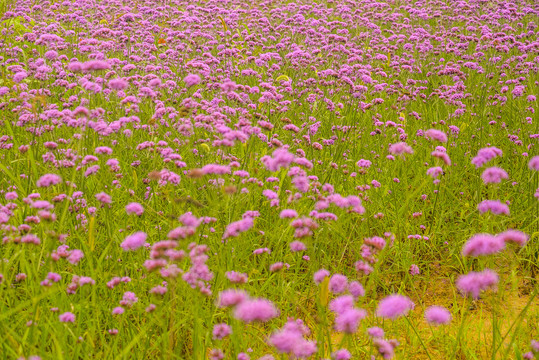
x=394, y=306
x=134, y=241
x=437, y=315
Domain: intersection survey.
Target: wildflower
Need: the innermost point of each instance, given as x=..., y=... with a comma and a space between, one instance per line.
x=118, y=310
x=348, y=320
x=67, y=317
x=134, y=241
x=75, y=256
x=483, y=244
x=255, y=310
x=385, y=348
x=494, y=206
x=437, y=315
x=534, y=163
x=442, y=155
x=485, y=155
x=364, y=163
x=296, y=246
x=134, y=208
x=48, y=180
x=400, y=148
x=103, y=198
x=236, y=277
x=338, y=283
x=341, y=354
x=220, y=331
x=20, y=76
x=375, y=332
x=535, y=346
x=493, y=175
x=414, y=270
x=394, y=306
x=276, y=266
x=288, y=214
x=235, y=228
x=216, y=354
x=435, y=171
x=231, y=297
x=514, y=236
x=128, y=299
x=95, y=65
x=341, y=303
x=436, y=135
x=320, y=275
x=192, y=80
x=475, y=282
x=356, y=289
x=290, y=340
x=118, y=84
x=91, y=170
x=158, y=290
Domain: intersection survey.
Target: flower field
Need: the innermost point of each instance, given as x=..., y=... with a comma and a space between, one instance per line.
x=269, y=179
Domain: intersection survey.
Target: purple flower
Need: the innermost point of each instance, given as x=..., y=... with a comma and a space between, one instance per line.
x=67, y=317
x=91, y=170
x=400, y=149
x=95, y=65
x=118, y=84
x=494, y=206
x=435, y=171
x=341, y=354
x=320, y=275
x=485, y=155
x=215, y=169
x=75, y=256
x=442, y=155
x=394, y=306
x=437, y=315
x=236, y=277
x=483, y=244
x=385, y=348
x=341, y=303
x=414, y=270
x=375, y=332
x=436, y=135
x=475, y=282
x=103, y=198
x=290, y=340
x=118, y=310
x=231, y=297
x=534, y=163
x=134, y=208
x=296, y=246
x=220, y=331
x=20, y=76
x=134, y=241
x=348, y=320
x=192, y=80
x=237, y=227
x=48, y=180
x=356, y=289
x=364, y=163
x=338, y=283
x=288, y=214
x=251, y=310
x=280, y=158
x=535, y=346
x=494, y=175
x=514, y=236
